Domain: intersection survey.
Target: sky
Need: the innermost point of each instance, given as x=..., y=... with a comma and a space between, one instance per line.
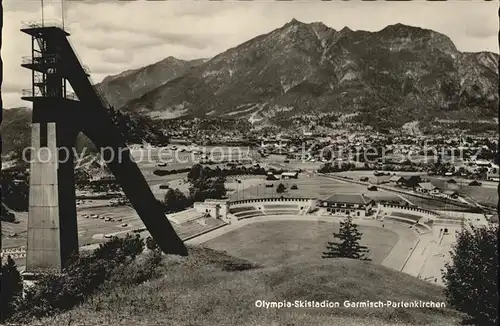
x=111, y=36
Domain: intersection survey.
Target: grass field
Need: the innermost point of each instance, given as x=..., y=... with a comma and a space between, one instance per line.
x=484, y=195
x=277, y=161
x=197, y=290
x=356, y=175
x=288, y=242
x=309, y=187
x=149, y=158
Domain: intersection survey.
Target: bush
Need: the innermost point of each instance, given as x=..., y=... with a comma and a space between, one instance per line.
x=281, y=188
x=119, y=248
x=162, y=173
x=118, y=260
x=5, y=215
x=151, y=244
x=15, y=192
x=11, y=288
x=138, y=271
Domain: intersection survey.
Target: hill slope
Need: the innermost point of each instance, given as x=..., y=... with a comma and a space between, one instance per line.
x=199, y=290
x=400, y=71
x=16, y=131
x=131, y=84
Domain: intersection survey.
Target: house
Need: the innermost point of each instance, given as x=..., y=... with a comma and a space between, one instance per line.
x=216, y=208
x=427, y=188
x=483, y=163
x=493, y=175
x=290, y=175
x=412, y=181
x=357, y=205
x=397, y=179
x=450, y=194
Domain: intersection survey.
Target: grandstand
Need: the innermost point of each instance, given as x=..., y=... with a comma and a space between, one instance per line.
x=246, y=212
x=194, y=227
x=285, y=209
x=412, y=217
x=412, y=221
x=271, y=206
x=184, y=216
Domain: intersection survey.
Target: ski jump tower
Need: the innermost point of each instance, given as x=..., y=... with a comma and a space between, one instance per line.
x=57, y=119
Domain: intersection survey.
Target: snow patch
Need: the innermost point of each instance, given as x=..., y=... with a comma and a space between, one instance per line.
x=253, y=118
x=253, y=107
x=286, y=87
x=211, y=73
x=167, y=114
x=350, y=75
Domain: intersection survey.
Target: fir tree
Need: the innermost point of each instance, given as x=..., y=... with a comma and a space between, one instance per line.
x=471, y=275
x=348, y=246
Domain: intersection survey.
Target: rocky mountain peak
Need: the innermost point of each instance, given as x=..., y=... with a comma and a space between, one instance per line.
x=411, y=37
x=345, y=30
x=310, y=68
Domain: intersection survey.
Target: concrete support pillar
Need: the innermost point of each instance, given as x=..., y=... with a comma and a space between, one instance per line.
x=52, y=225
x=43, y=247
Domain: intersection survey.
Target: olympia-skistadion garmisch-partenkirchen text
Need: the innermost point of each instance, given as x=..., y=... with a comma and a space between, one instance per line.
x=348, y=304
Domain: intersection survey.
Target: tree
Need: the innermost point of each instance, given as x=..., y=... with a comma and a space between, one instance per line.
x=204, y=188
x=5, y=215
x=195, y=173
x=349, y=246
x=175, y=201
x=471, y=275
x=281, y=188
x=11, y=288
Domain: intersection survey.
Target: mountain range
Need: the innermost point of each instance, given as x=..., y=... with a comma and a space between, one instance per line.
x=383, y=79
x=390, y=77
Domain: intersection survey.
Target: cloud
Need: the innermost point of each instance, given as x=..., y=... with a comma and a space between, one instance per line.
x=114, y=36
x=104, y=39
x=481, y=28
x=117, y=56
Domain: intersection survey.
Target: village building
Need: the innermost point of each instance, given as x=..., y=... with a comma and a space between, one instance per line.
x=290, y=175
x=411, y=181
x=397, y=179
x=451, y=194
x=427, y=188
x=356, y=205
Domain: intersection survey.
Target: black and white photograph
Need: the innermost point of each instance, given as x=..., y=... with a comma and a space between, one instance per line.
x=249, y=163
